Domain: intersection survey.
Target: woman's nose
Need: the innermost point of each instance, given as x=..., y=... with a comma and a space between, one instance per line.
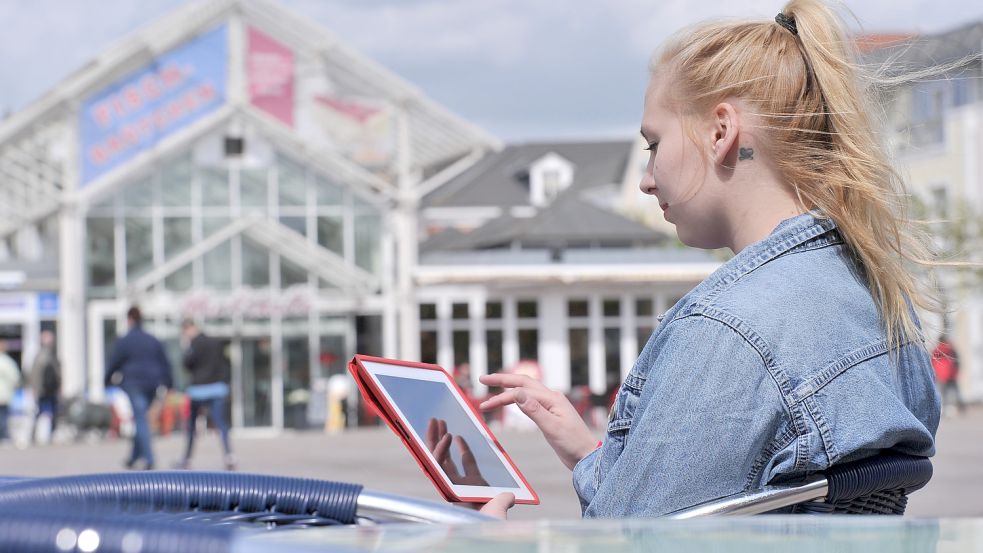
x=647, y=184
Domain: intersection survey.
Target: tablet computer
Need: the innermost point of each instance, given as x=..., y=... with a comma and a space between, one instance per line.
x=443, y=431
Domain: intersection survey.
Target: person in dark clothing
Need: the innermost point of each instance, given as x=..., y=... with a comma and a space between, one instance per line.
x=45, y=381
x=208, y=390
x=139, y=366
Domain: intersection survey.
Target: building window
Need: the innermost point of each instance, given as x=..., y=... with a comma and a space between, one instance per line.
x=102, y=270
x=528, y=329
x=177, y=235
x=291, y=274
x=214, y=188
x=330, y=233
x=428, y=312
x=255, y=265
x=528, y=344
x=611, y=308
x=175, y=185
x=428, y=332
x=462, y=348
x=368, y=234
x=139, y=247
x=493, y=310
x=216, y=263
x=494, y=337
x=528, y=309
x=253, y=190
x=368, y=334
x=291, y=183
x=578, y=341
x=428, y=346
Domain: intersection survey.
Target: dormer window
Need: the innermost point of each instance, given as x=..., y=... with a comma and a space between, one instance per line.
x=551, y=184
x=548, y=177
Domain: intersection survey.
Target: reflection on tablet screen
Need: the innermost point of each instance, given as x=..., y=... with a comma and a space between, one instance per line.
x=441, y=423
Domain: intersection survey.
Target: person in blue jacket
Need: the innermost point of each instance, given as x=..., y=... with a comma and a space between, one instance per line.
x=804, y=350
x=139, y=366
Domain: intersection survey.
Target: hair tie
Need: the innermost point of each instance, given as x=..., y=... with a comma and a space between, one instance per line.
x=787, y=22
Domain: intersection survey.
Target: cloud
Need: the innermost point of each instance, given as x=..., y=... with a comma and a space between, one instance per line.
x=518, y=68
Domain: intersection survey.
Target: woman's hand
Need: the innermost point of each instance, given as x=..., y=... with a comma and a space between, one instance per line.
x=552, y=412
x=499, y=506
x=439, y=442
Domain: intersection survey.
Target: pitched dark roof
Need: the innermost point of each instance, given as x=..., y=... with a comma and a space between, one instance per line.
x=570, y=221
x=501, y=179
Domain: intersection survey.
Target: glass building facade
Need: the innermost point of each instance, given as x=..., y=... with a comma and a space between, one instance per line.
x=185, y=240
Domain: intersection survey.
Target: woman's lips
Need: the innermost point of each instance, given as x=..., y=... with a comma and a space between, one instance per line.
x=664, y=206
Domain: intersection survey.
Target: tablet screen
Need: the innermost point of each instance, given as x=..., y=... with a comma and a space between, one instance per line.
x=432, y=410
x=440, y=421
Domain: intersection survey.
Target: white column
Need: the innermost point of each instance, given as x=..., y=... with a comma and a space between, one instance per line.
x=405, y=226
x=595, y=347
x=554, y=355
x=97, y=355
x=71, y=314
x=478, y=347
x=279, y=367
x=445, y=346
x=32, y=333
x=390, y=313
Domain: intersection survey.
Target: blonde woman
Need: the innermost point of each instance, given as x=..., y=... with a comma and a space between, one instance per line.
x=801, y=352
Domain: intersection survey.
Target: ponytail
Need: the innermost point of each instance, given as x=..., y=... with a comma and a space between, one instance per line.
x=798, y=75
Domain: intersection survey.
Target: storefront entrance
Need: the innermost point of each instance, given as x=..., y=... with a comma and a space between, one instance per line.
x=279, y=366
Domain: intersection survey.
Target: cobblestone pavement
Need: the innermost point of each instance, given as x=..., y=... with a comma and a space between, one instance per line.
x=377, y=459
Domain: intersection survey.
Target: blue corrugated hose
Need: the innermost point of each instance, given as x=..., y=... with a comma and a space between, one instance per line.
x=182, y=491
x=57, y=530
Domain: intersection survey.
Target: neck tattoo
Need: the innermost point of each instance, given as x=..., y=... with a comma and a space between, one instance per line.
x=744, y=154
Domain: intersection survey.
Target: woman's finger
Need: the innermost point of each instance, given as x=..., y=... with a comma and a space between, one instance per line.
x=504, y=380
x=509, y=396
x=499, y=505
x=442, y=447
x=433, y=435
x=468, y=461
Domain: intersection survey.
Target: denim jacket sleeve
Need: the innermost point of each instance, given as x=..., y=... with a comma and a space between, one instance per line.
x=691, y=423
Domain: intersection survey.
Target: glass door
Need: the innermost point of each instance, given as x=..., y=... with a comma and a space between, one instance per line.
x=256, y=381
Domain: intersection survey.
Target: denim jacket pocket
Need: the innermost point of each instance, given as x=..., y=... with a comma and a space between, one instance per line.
x=622, y=414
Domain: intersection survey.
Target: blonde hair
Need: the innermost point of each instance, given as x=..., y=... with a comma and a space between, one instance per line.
x=807, y=90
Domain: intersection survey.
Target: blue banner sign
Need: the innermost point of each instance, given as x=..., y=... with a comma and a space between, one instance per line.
x=139, y=110
x=48, y=304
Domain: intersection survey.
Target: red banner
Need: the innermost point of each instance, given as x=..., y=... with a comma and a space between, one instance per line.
x=270, y=72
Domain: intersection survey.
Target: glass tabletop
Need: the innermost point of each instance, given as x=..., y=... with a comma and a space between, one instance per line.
x=762, y=534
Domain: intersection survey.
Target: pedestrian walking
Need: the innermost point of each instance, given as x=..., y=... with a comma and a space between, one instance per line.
x=945, y=361
x=138, y=365
x=10, y=379
x=209, y=388
x=45, y=379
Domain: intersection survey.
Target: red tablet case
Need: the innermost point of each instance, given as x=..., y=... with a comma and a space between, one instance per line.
x=378, y=401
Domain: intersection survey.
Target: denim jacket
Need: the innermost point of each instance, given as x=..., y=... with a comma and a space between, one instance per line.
x=774, y=367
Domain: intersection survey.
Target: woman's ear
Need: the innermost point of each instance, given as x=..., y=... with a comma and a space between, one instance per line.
x=725, y=132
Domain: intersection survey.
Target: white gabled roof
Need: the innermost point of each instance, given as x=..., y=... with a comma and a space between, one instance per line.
x=34, y=141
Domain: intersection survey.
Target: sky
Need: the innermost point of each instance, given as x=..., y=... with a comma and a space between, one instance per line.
x=523, y=70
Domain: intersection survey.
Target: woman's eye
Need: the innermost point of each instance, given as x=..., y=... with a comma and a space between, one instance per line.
x=653, y=147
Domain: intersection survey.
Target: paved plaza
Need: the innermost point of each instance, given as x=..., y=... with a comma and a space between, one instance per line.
x=377, y=459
